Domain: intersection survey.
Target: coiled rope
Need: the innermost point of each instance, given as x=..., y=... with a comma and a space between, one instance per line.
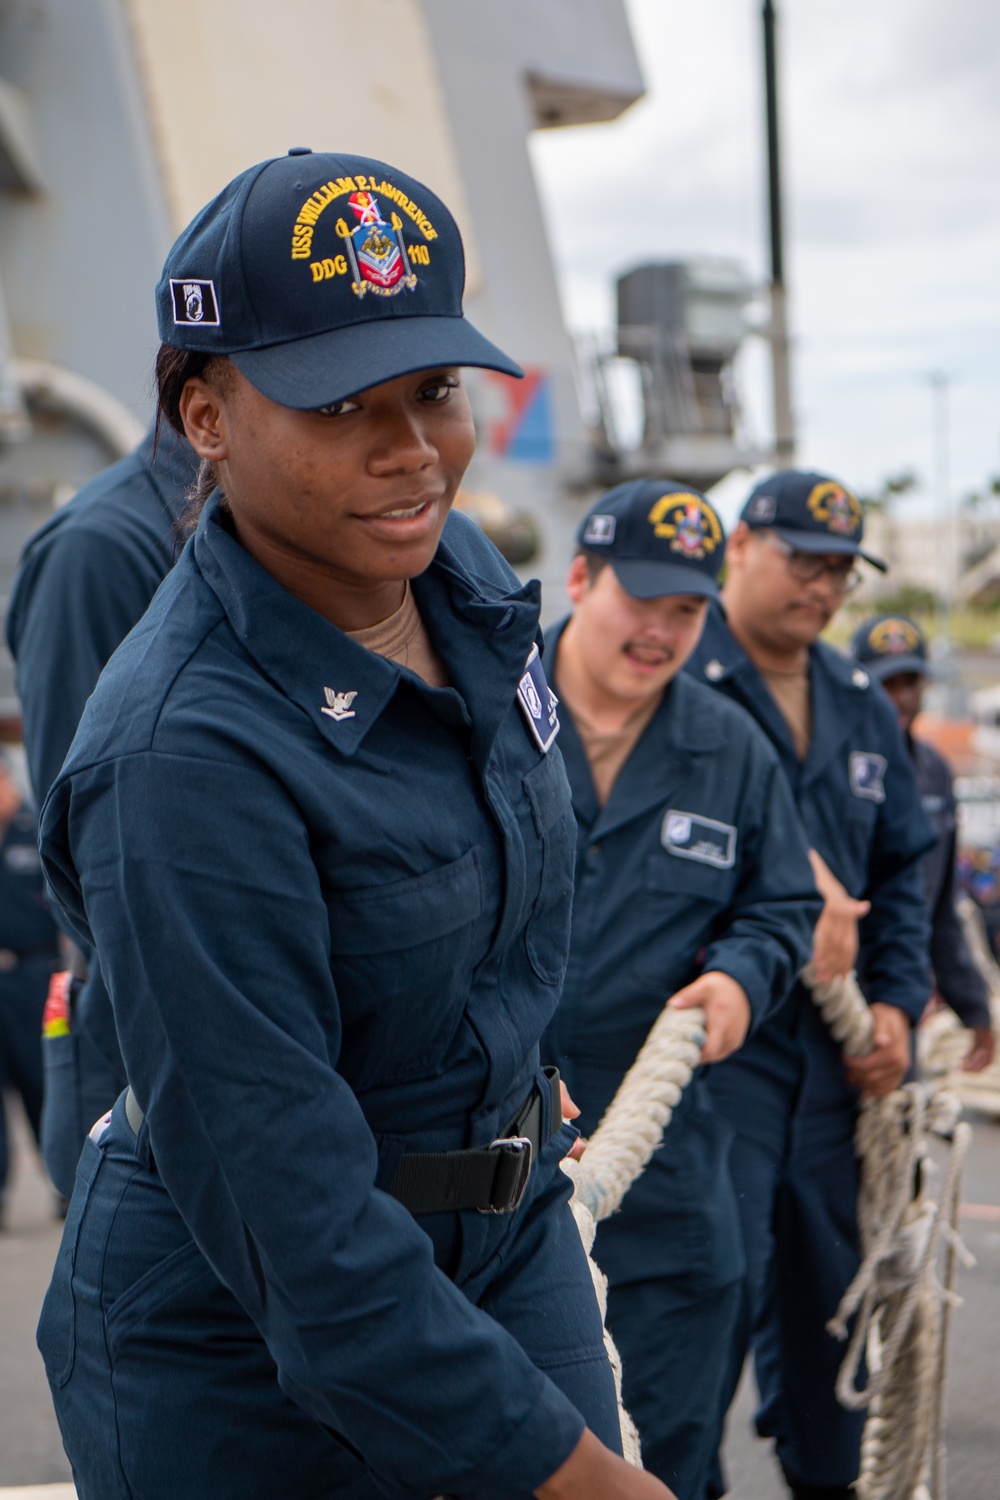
x=620, y=1148
x=902, y=1303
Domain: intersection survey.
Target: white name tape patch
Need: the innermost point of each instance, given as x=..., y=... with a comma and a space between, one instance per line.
x=538, y=702
x=867, y=773
x=690, y=836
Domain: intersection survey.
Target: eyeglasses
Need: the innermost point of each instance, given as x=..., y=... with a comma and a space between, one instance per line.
x=807, y=567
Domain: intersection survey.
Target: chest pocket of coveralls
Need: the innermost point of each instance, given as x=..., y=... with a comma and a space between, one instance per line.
x=681, y=901
x=546, y=936
x=402, y=956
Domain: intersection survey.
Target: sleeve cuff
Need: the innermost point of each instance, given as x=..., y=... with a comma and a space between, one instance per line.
x=746, y=973
x=538, y=1446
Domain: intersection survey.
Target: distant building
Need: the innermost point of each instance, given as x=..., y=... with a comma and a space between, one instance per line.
x=962, y=555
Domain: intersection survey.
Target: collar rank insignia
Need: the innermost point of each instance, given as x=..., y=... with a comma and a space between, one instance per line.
x=538, y=703
x=338, y=705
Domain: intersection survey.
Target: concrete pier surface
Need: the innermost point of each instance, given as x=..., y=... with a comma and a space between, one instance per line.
x=33, y=1465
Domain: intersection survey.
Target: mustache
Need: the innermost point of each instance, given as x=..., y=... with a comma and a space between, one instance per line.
x=665, y=651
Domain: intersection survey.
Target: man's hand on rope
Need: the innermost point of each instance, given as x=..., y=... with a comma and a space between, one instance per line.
x=571, y=1111
x=835, y=936
x=727, y=1012
x=593, y=1472
x=883, y=1068
x=982, y=1051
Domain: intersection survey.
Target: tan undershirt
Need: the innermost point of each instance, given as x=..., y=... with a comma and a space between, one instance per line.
x=608, y=751
x=790, y=691
x=403, y=638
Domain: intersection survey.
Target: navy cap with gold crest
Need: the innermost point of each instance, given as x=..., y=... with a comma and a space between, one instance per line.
x=320, y=275
x=811, y=512
x=888, y=645
x=660, y=537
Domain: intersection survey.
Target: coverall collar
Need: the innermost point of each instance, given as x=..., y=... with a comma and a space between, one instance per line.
x=680, y=729
x=455, y=606
x=342, y=686
x=835, y=685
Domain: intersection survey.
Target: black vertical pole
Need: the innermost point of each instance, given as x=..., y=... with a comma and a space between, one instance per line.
x=773, y=155
x=784, y=440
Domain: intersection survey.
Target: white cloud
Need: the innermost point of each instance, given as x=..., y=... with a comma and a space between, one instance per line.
x=891, y=120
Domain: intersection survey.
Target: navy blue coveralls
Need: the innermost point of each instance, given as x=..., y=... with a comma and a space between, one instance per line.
x=958, y=980
x=334, y=925
x=29, y=955
x=85, y=578
x=785, y=1092
x=696, y=862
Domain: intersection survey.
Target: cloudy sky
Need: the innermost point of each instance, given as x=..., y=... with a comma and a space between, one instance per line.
x=891, y=140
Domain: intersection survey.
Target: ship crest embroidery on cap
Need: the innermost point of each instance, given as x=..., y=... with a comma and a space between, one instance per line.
x=690, y=525
x=195, y=302
x=894, y=637
x=375, y=254
x=834, y=507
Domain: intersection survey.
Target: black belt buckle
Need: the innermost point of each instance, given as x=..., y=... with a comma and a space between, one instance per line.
x=512, y=1172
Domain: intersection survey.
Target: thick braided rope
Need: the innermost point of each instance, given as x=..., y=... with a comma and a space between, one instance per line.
x=620, y=1148
x=587, y=1226
x=902, y=1309
x=902, y=1452
x=632, y=1127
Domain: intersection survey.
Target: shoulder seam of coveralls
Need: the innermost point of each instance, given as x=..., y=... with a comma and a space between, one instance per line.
x=256, y=768
x=72, y=529
x=166, y=690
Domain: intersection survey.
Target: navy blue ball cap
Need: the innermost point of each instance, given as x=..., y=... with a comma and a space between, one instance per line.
x=888, y=645
x=320, y=275
x=659, y=536
x=811, y=512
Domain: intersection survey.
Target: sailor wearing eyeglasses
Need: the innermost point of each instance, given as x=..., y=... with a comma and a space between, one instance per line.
x=789, y=1093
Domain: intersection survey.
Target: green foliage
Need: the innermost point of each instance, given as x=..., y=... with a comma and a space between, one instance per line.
x=973, y=627
x=908, y=599
x=890, y=489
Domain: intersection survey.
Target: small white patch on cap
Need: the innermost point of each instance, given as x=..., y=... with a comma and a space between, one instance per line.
x=600, y=530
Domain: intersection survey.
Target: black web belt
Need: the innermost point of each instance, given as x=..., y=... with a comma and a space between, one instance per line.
x=489, y=1178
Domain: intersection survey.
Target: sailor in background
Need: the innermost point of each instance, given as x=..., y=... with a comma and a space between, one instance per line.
x=693, y=887
x=893, y=650
x=85, y=578
x=29, y=954
x=789, y=1093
